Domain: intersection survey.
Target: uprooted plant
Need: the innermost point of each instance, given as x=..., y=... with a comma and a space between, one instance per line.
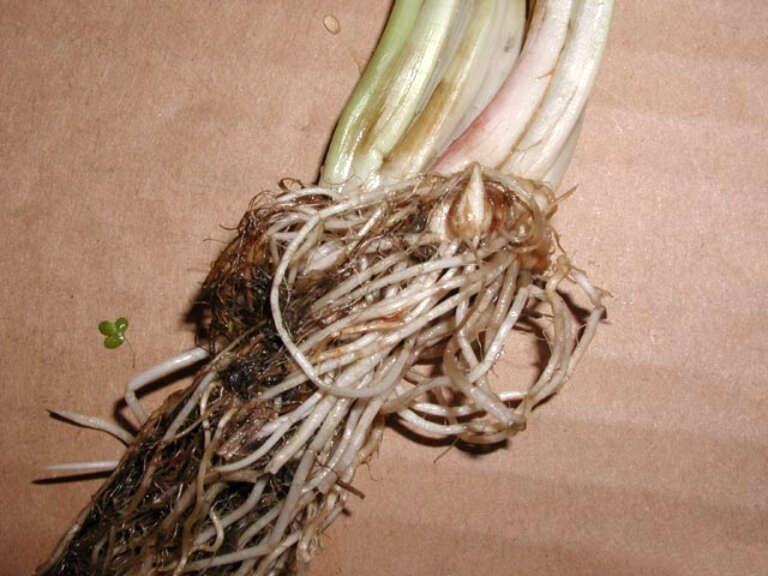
x=389, y=288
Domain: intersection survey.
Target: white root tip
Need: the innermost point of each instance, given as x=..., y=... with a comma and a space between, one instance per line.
x=84, y=467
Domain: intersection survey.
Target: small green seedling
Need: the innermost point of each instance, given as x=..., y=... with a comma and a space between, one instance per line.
x=114, y=332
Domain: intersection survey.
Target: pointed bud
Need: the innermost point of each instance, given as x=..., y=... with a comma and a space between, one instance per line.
x=471, y=215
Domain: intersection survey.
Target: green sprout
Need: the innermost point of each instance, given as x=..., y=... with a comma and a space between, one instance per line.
x=114, y=332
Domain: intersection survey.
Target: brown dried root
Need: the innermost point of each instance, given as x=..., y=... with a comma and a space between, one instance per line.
x=330, y=310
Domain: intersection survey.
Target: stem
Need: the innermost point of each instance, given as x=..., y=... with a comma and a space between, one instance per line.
x=505, y=52
x=556, y=172
x=357, y=114
x=432, y=129
x=571, y=84
x=494, y=133
x=410, y=85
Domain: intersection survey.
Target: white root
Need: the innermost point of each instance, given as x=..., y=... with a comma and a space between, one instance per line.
x=161, y=370
x=237, y=513
x=84, y=467
x=96, y=423
x=463, y=301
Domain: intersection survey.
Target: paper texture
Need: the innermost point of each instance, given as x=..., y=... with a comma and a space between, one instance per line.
x=129, y=132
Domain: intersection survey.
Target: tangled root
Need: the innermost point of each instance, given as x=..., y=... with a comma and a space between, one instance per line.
x=329, y=310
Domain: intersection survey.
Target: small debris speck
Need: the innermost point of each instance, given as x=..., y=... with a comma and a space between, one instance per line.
x=331, y=24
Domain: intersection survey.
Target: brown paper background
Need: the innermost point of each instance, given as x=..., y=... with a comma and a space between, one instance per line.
x=129, y=131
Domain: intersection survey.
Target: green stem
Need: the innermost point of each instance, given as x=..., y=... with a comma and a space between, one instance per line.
x=357, y=115
x=463, y=82
x=411, y=85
